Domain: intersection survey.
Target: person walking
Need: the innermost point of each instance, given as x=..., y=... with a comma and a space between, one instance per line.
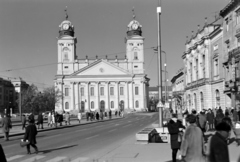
x=101, y=114
x=30, y=135
x=67, y=118
x=31, y=117
x=210, y=119
x=218, y=148
x=6, y=126
x=97, y=116
x=110, y=114
x=53, y=118
x=50, y=119
x=202, y=121
x=40, y=121
x=79, y=116
x=175, y=129
x=24, y=120
x=192, y=144
x=219, y=117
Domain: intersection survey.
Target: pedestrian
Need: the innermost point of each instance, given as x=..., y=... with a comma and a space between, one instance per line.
x=79, y=116
x=218, y=148
x=31, y=117
x=53, y=118
x=202, y=121
x=219, y=117
x=30, y=135
x=192, y=143
x=67, y=119
x=210, y=119
x=119, y=113
x=97, y=116
x=110, y=114
x=101, y=114
x=116, y=112
x=24, y=120
x=105, y=113
x=175, y=129
x=6, y=126
x=50, y=122
x=40, y=121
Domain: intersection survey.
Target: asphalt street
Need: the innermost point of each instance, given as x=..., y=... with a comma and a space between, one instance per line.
x=80, y=143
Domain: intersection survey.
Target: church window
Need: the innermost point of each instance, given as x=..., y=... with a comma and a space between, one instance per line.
x=92, y=105
x=136, y=90
x=112, y=104
x=65, y=67
x=66, y=91
x=111, y=91
x=135, y=66
x=135, y=56
x=136, y=104
x=92, y=91
x=102, y=91
x=121, y=91
x=82, y=91
x=66, y=105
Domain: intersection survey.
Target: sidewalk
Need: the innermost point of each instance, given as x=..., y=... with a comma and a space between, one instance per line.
x=17, y=129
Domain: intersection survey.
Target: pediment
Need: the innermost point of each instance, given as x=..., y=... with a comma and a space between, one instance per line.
x=101, y=67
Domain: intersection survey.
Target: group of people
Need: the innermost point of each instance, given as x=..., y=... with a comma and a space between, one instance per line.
x=95, y=115
x=188, y=135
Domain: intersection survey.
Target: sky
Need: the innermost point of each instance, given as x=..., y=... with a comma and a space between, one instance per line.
x=28, y=31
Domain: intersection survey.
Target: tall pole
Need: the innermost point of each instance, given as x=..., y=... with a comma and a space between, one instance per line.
x=159, y=64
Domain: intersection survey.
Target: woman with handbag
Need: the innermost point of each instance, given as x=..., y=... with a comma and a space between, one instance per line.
x=30, y=136
x=6, y=126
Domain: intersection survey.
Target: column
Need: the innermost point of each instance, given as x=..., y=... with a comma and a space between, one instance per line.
x=118, y=93
x=78, y=96
x=72, y=97
x=133, y=94
x=98, y=102
x=127, y=95
x=88, y=96
x=144, y=96
x=108, y=96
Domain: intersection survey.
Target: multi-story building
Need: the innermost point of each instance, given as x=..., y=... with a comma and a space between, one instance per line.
x=101, y=84
x=178, y=90
x=200, y=59
x=231, y=51
x=9, y=90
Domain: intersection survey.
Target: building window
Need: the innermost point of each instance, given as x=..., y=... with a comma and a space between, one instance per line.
x=102, y=91
x=238, y=16
x=66, y=91
x=197, y=69
x=227, y=24
x=135, y=56
x=217, y=98
x=136, y=90
x=92, y=105
x=82, y=91
x=66, y=105
x=111, y=91
x=65, y=56
x=203, y=65
x=112, y=104
x=202, y=101
x=191, y=79
x=92, y=91
x=136, y=104
x=121, y=91
x=195, y=101
x=215, y=47
x=216, y=71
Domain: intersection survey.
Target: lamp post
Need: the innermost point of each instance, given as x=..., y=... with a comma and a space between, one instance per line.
x=159, y=63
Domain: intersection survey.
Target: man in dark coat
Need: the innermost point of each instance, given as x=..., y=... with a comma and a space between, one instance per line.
x=218, y=148
x=30, y=135
x=110, y=114
x=31, y=117
x=6, y=125
x=210, y=119
x=40, y=120
x=175, y=127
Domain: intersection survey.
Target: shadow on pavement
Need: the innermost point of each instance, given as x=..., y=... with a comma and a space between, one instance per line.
x=54, y=149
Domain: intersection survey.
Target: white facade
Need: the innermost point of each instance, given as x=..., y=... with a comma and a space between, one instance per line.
x=101, y=84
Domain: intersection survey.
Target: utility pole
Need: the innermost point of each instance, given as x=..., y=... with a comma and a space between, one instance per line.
x=20, y=99
x=159, y=64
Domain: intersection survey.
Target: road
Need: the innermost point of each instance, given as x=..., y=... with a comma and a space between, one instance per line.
x=80, y=143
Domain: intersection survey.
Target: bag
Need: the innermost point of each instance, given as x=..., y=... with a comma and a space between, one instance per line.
x=10, y=126
x=24, y=143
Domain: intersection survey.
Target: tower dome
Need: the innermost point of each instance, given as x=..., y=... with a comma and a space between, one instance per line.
x=66, y=28
x=134, y=27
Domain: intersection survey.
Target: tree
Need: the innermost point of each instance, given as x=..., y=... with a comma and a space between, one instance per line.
x=51, y=97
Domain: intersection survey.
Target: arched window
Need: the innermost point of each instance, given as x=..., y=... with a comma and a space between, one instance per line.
x=112, y=104
x=189, y=100
x=136, y=104
x=217, y=98
x=202, y=100
x=66, y=105
x=92, y=105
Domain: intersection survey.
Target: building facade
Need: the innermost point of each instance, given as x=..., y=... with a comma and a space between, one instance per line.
x=231, y=51
x=202, y=59
x=178, y=90
x=101, y=84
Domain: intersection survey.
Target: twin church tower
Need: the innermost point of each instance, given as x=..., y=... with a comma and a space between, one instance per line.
x=101, y=84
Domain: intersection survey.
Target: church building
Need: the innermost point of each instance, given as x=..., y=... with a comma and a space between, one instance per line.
x=101, y=84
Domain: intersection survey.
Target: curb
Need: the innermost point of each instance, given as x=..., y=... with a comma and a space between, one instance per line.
x=62, y=127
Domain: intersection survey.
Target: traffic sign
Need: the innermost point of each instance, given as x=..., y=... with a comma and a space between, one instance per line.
x=159, y=104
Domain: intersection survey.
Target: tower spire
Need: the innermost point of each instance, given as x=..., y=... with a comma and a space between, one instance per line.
x=66, y=13
x=134, y=16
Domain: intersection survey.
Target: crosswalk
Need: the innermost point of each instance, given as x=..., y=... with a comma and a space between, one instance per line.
x=42, y=158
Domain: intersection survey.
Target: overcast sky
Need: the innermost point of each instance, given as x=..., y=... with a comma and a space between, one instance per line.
x=28, y=31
